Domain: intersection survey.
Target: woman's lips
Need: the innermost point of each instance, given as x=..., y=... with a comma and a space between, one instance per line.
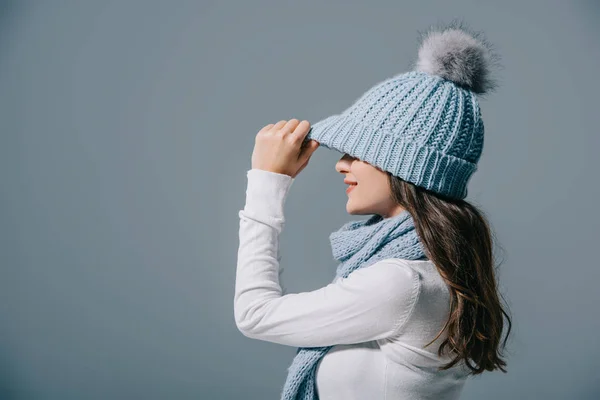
x=350, y=188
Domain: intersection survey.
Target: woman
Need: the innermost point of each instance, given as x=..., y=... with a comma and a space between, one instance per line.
x=414, y=307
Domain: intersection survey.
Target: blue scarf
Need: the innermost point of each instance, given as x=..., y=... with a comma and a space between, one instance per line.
x=357, y=244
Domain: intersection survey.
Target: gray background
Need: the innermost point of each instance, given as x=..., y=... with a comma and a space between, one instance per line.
x=126, y=133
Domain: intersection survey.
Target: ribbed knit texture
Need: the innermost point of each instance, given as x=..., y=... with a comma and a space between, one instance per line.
x=357, y=244
x=420, y=127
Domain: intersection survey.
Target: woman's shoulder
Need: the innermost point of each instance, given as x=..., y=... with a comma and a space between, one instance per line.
x=421, y=266
x=406, y=261
x=394, y=271
x=425, y=269
x=432, y=304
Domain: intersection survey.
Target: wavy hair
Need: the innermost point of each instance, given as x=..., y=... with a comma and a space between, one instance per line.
x=458, y=240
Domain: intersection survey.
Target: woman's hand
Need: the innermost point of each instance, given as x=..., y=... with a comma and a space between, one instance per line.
x=279, y=147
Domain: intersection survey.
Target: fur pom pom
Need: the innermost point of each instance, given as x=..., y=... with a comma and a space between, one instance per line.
x=456, y=53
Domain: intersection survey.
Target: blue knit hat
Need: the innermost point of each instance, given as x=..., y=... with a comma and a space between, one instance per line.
x=425, y=125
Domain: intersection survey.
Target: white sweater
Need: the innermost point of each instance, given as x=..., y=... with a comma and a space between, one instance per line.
x=378, y=318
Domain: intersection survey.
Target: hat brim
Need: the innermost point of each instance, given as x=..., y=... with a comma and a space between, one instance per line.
x=416, y=163
x=335, y=132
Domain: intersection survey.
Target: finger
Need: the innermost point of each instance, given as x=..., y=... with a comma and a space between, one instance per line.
x=278, y=125
x=314, y=146
x=302, y=129
x=303, y=166
x=290, y=125
x=309, y=143
x=310, y=148
x=266, y=128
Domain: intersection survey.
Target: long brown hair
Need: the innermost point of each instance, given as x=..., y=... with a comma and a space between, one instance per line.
x=458, y=240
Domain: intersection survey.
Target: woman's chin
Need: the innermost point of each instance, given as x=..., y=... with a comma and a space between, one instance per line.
x=353, y=210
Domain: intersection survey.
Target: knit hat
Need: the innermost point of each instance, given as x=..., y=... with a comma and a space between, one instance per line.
x=425, y=125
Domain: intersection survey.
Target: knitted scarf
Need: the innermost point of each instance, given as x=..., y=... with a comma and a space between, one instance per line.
x=357, y=244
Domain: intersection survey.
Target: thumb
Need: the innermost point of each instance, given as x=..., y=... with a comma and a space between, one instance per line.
x=311, y=148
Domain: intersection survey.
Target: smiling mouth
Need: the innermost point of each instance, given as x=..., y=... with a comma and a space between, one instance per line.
x=350, y=187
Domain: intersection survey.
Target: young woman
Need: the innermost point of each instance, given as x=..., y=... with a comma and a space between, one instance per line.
x=414, y=308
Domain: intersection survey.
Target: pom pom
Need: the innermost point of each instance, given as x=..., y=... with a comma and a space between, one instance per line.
x=456, y=53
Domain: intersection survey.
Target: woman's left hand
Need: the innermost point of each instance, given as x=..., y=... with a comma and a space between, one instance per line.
x=279, y=147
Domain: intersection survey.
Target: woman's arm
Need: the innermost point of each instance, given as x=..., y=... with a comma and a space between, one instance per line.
x=371, y=303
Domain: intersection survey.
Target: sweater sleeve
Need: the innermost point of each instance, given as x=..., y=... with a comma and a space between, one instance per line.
x=371, y=303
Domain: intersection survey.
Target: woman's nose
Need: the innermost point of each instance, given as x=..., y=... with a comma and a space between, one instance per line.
x=344, y=163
